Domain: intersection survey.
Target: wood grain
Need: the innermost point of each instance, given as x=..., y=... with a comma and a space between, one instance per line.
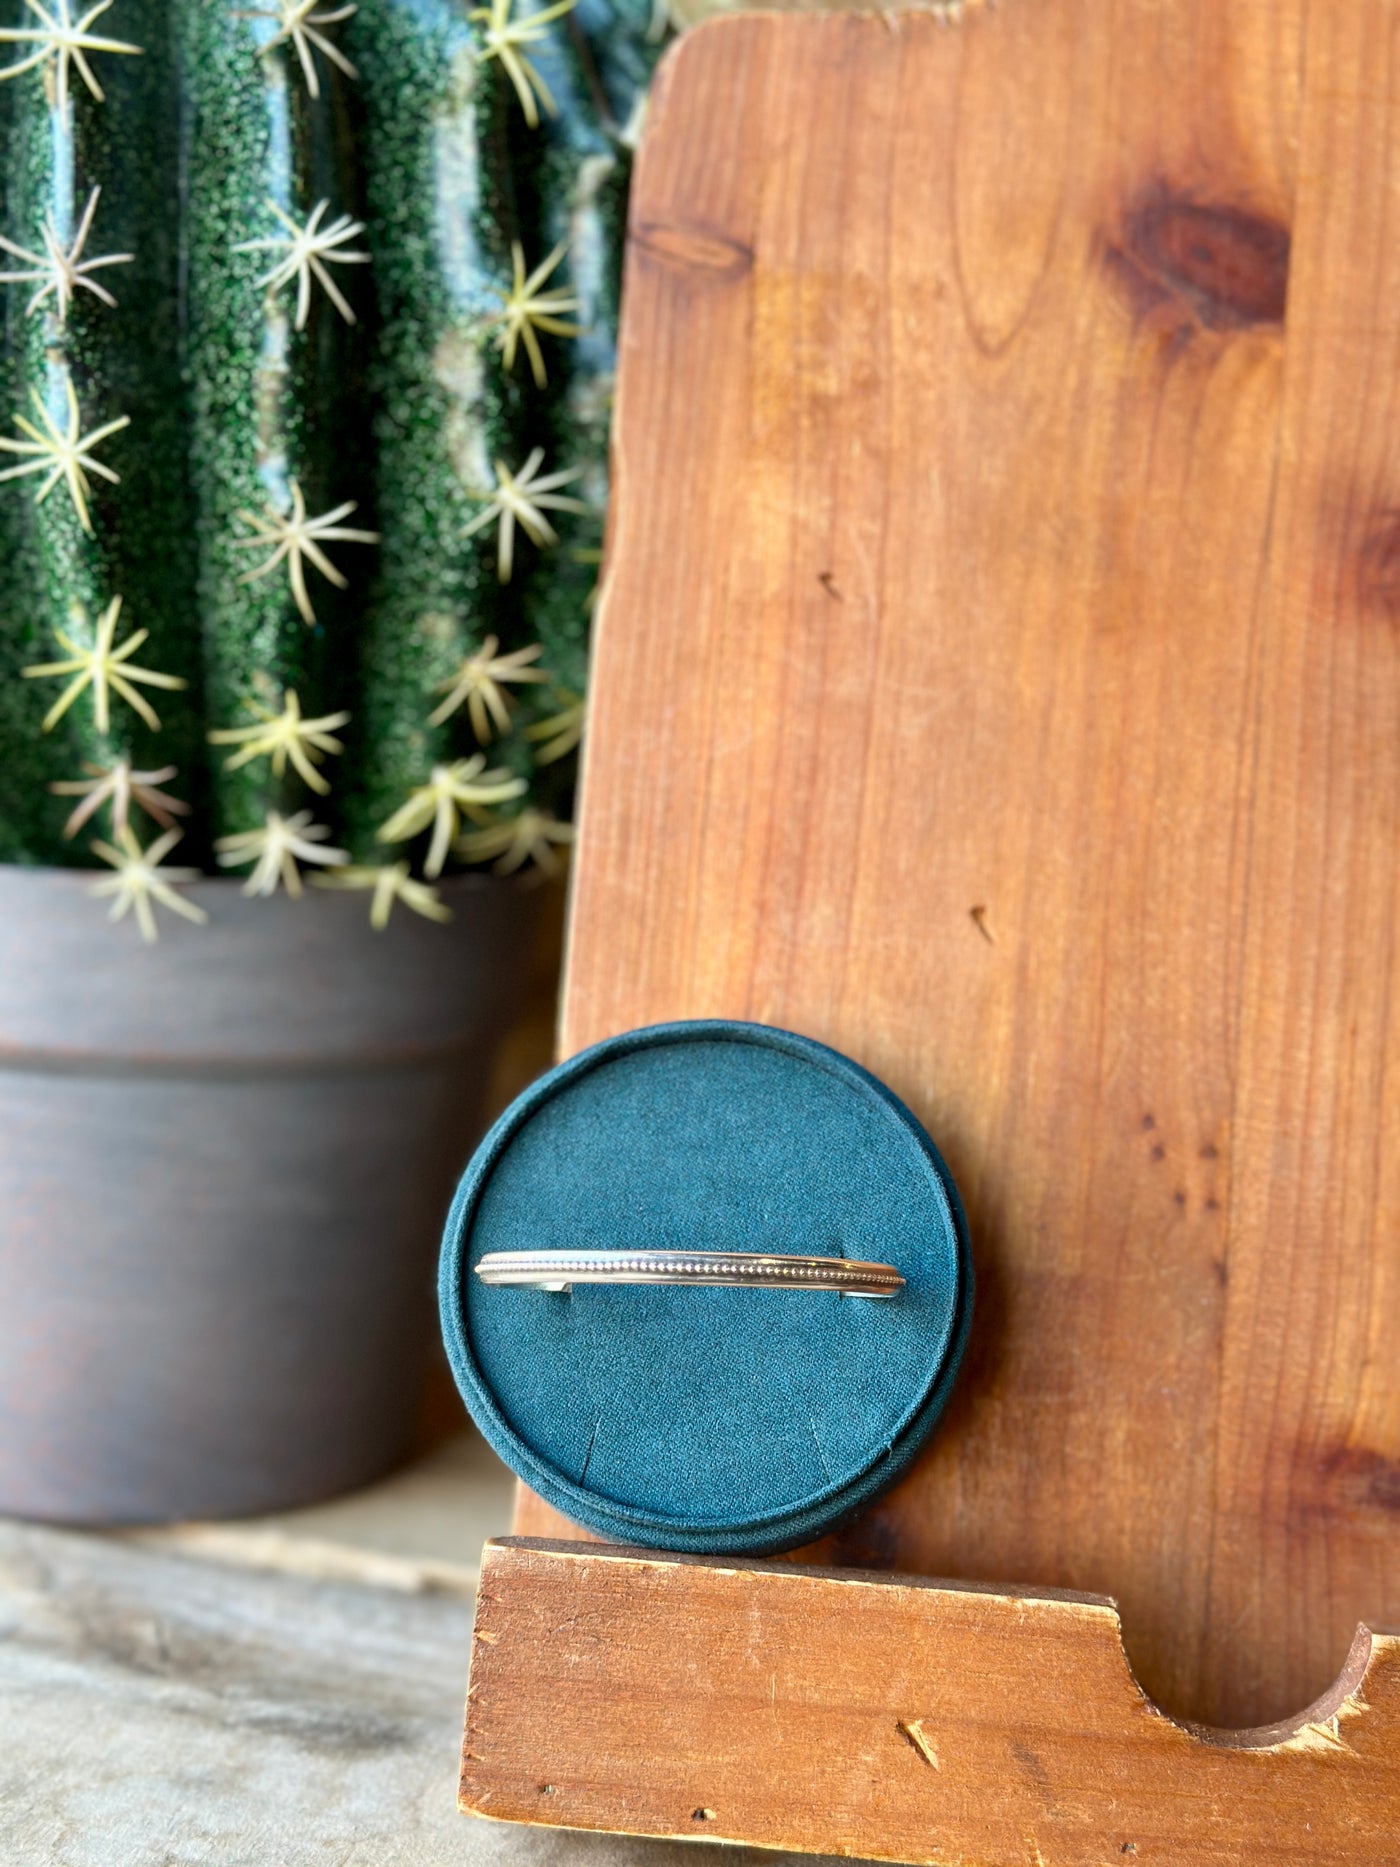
x=998, y=678
x=926, y=1722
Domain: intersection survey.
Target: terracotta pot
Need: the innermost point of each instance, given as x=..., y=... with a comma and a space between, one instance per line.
x=224, y=1163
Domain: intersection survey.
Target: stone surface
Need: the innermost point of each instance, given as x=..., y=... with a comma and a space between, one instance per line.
x=158, y=1711
x=422, y=1527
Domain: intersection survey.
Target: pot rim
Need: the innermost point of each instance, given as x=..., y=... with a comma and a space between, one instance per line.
x=280, y=984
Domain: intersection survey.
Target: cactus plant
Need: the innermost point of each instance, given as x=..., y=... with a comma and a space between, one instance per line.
x=309, y=314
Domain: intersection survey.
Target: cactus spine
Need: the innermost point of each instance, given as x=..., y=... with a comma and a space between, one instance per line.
x=339, y=445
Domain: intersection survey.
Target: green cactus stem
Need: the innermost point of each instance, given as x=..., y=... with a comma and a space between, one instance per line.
x=280, y=427
x=117, y=362
x=339, y=444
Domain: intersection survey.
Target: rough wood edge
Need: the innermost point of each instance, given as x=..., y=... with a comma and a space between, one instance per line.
x=1124, y=1754
x=1102, y=1613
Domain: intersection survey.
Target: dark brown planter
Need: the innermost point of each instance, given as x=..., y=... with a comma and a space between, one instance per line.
x=224, y=1161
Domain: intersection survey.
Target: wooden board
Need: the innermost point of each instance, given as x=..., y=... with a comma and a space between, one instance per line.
x=909, y=1721
x=998, y=678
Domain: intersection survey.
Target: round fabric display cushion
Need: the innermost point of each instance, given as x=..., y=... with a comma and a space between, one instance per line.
x=705, y=1419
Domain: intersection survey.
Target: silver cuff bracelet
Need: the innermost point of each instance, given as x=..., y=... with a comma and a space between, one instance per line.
x=560, y=1270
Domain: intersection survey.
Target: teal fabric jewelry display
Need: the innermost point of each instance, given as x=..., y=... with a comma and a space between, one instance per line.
x=694, y=1416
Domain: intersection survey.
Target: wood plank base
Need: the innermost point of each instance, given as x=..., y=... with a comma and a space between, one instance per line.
x=899, y=1719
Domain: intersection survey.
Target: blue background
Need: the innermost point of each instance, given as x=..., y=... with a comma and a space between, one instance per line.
x=703, y=1418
